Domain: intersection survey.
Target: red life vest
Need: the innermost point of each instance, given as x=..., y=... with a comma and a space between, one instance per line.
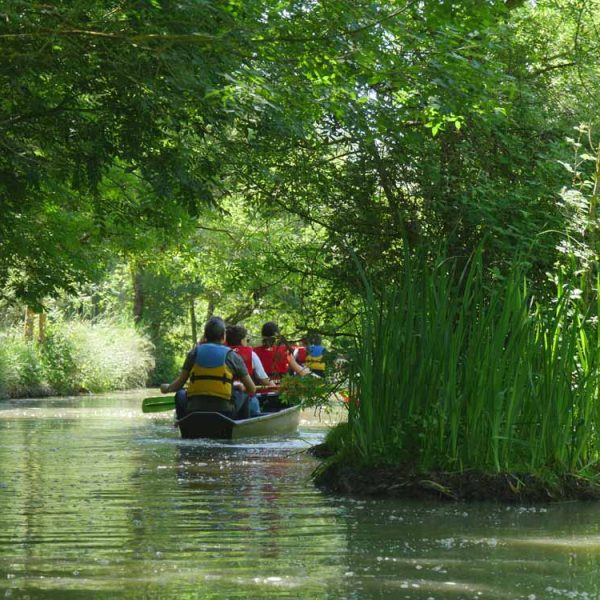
x=274, y=359
x=300, y=355
x=246, y=353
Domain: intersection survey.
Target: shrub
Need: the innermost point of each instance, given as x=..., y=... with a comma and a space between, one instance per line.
x=20, y=372
x=110, y=356
x=76, y=356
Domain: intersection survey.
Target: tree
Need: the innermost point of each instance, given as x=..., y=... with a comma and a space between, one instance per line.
x=98, y=91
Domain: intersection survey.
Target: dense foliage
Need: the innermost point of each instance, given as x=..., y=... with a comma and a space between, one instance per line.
x=165, y=161
x=467, y=376
x=76, y=357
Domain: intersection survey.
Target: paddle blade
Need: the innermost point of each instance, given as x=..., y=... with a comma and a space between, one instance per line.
x=158, y=404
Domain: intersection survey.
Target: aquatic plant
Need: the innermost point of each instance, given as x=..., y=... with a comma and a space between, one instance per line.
x=454, y=371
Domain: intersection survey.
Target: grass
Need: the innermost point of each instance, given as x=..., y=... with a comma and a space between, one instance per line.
x=77, y=356
x=453, y=373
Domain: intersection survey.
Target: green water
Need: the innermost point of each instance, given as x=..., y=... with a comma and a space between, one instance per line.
x=98, y=500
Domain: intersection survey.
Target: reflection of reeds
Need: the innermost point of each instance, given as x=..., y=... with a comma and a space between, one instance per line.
x=452, y=372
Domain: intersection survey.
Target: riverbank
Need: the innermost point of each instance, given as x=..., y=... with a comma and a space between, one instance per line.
x=469, y=486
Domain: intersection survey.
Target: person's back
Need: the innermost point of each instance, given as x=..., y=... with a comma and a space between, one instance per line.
x=274, y=357
x=277, y=359
x=301, y=352
x=234, y=338
x=211, y=368
x=315, y=357
x=211, y=378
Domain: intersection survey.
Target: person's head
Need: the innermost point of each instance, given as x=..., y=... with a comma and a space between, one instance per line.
x=315, y=339
x=304, y=341
x=214, y=330
x=269, y=333
x=235, y=335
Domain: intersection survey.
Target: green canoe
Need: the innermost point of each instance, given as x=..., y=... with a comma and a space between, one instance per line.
x=217, y=426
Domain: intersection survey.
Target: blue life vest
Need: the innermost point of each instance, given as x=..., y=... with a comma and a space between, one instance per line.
x=210, y=376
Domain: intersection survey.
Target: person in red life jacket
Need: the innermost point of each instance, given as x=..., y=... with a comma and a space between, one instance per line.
x=236, y=338
x=212, y=368
x=276, y=358
x=301, y=351
x=315, y=358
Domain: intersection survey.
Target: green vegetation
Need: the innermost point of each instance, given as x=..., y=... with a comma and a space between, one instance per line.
x=166, y=161
x=76, y=357
x=455, y=372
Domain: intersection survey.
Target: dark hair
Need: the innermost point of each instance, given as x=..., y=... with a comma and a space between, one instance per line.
x=214, y=330
x=269, y=329
x=315, y=339
x=235, y=334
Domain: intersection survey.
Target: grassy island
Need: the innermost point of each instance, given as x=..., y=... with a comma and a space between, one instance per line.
x=466, y=387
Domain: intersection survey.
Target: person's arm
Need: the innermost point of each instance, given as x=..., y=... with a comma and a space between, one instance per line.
x=175, y=385
x=240, y=372
x=259, y=370
x=298, y=369
x=248, y=384
x=179, y=382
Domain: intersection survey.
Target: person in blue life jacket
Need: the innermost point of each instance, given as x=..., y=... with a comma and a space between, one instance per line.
x=315, y=355
x=210, y=370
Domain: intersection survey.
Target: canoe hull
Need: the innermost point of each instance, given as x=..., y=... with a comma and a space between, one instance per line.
x=217, y=426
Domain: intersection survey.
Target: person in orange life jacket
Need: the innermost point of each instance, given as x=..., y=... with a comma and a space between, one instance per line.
x=235, y=338
x=277, y=359
x=211, y=368
x=315, y=357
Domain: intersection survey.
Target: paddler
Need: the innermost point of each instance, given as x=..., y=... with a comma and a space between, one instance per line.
x=236, y=337
x=212, y=369
x=276, y=356
x=315, y=355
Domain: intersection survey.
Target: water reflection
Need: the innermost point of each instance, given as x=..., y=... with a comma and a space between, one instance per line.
x=98, y=500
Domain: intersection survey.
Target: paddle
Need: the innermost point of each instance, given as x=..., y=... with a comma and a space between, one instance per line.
x=167, y=402
x=158, y=404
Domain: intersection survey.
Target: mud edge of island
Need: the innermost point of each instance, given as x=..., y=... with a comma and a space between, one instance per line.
x=468, y=486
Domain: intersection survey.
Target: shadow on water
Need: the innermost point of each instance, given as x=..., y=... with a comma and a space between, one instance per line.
x=100, y=501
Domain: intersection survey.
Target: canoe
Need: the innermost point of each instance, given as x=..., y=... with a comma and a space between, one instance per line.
x=215, y=425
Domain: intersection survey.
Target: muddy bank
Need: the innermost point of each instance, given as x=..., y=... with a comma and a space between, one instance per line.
x=399, y=482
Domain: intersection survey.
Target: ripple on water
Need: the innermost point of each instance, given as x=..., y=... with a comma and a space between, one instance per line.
x=104, y=501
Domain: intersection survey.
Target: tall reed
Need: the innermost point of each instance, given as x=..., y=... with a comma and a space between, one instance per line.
x=452, y=372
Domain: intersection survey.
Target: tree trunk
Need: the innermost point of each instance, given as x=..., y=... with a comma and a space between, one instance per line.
x=42, y=328
x=193, y=322
x=29, y=324
x=212, y=305
x=138, y=294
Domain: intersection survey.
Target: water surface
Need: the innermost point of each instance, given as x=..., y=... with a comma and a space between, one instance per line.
x=98, y=500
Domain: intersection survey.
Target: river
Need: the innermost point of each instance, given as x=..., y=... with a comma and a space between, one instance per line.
x=98, y=500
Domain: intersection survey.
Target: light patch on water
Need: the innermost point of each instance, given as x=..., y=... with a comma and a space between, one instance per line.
x=456, y=588
x=572, y=594
x=575, y=543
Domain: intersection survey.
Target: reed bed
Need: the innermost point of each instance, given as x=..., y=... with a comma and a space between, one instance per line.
x=454, y=373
